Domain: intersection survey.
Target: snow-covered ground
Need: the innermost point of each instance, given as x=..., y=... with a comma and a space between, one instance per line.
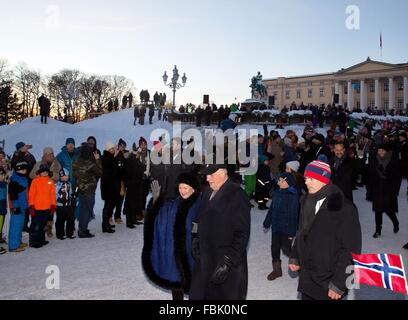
x=109, y=266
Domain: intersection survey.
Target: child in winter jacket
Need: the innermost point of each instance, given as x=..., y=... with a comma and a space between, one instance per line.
x=42, y=203
x=18, y=202
x=66, y=202
x=3, y=206
x=283, y=217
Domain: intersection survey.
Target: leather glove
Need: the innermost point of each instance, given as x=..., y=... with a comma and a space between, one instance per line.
x=52, y=210
x=195, y=248
x=156, y=188
x=31, y=210
x=221, y=272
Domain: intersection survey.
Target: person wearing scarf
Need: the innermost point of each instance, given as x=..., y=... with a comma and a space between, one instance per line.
x=329, y=231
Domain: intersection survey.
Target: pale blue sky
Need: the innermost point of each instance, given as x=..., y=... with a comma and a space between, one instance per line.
x=219, y=44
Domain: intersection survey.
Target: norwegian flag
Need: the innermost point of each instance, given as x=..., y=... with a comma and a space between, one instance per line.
x=381, y=270
x=381, y=43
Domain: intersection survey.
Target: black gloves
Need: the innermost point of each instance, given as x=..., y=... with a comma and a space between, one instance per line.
x=221, y=272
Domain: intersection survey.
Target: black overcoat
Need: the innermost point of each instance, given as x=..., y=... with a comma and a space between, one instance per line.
x=223, y=229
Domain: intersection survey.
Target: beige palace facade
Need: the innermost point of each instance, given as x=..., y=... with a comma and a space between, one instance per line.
x=370, y=83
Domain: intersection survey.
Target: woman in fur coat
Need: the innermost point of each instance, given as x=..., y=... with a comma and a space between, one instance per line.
x=168, y=234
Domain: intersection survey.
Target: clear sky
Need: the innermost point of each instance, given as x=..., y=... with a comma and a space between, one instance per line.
x=219, y=44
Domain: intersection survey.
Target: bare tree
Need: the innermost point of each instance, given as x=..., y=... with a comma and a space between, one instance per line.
x=27, y=85
x=5, y=73
x=120, y=86
x=65, y=86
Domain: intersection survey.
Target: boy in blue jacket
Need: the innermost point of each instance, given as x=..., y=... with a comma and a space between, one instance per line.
x=283, y=218
x=18, y=196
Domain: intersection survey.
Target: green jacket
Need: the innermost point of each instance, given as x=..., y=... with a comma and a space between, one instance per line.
x=86, y=173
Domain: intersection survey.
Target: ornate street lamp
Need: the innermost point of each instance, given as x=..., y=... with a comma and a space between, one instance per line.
x=174, y=82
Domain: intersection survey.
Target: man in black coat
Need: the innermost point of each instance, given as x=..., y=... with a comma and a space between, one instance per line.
x=133, y=175
x=343, y=172
x=45, y=105
x=151, y=113
x=110, y=184
x=199, y=116
x=142, y=112
x=329, y=231
x=221, y=269
x=385, y=179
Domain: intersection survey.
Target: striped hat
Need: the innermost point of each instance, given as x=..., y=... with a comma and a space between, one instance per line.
x=318, y=170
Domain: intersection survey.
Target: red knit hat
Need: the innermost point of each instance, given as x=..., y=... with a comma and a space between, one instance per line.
x=318, y=170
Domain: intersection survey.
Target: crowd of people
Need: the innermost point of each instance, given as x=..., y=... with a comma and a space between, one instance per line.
x=197, y=224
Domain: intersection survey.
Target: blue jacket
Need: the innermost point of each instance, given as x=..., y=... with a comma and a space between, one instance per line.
x=167, y=258
x=66, y=161
x=283, y=212
x=227, y=124
x=3, y=198
x=18, y=191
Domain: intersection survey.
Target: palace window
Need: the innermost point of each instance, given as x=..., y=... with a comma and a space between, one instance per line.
x=372, y=87
x=400, y=86
x=371, y=103
x=287, y=94
x=400, y=103
x=321, y=92
x=298, y=94
x=386, y=104
x=386, y=87
x=310, y=93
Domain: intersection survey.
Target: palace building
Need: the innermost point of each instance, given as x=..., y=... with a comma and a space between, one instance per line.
x=368, y=84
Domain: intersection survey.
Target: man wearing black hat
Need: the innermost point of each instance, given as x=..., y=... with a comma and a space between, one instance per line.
x=221, y=270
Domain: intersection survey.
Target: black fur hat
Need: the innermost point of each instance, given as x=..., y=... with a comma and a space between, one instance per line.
x=85, y=152
x=189, y=179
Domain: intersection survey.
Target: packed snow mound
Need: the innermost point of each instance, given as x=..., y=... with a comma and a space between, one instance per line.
x=108, y=127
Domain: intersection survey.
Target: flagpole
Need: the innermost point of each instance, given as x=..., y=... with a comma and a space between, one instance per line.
x=381, y=47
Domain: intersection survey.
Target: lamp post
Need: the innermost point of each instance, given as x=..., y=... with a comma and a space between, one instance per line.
x=174, y=82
